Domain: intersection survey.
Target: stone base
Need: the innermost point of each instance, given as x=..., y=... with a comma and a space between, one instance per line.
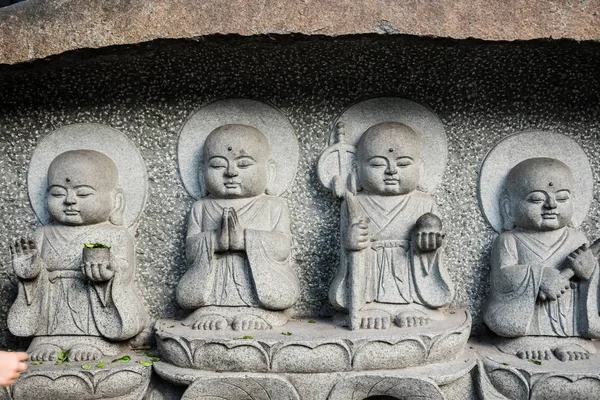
x=506, y=376
x=305, y=347
x=70, y=381
x=450, y=380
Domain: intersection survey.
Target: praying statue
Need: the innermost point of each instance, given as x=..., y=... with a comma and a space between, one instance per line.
x=72, y=298
x=544, y=277
x=238, y=245
x=391, y=266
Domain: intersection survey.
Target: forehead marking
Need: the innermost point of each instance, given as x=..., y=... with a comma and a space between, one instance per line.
x=551, y=184
x=68, y=179
x=391, y=150
x=229, y=148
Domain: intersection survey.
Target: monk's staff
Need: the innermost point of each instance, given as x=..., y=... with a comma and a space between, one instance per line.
x=355, y=266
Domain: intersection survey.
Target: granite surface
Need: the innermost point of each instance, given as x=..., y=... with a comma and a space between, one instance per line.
x=481, y=91
x=39, y=28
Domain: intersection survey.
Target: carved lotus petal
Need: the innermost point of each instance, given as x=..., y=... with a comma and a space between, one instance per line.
x=228, y=387
x=216, y=356
x=401, y=387
x=389, y=355
x=175, y=350
x=302, y=357
x=501, y=382
x=558, y=387
x=120, y=384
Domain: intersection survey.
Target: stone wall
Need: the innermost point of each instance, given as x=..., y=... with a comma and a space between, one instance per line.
x=482, y=91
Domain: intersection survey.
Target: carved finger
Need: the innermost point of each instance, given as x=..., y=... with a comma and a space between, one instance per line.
x=12, y=249
x=24, y=245
x=96, y=271
x=542, y=296
x=224, y=234
x=377, y=323
x=362, y=224
x=32, y=245
x=363, y=231
x=431, y=238
x=234, y=218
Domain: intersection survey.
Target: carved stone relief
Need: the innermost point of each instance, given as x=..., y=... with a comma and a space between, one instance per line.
x=77, y=296
x=544, y=278
x=235, y=158
x=383, y=157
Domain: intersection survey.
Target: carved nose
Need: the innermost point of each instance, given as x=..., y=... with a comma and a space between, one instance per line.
x=231, y=171
x=550, y=203
x=70, y=198
x=391, y=169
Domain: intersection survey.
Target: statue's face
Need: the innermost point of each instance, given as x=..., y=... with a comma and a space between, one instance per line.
x=389, y=160
x=80, y=190
x=235, y=162
x=541, y=197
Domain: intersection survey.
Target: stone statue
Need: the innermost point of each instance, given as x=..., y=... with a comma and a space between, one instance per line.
x=238, y=245
x=544, y=278
x=391, y=265
x=71, y=298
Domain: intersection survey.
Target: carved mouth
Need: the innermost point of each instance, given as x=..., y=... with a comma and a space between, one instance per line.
x=71, y=212
x=550, y=216
x=391, y=181
x=232, y=184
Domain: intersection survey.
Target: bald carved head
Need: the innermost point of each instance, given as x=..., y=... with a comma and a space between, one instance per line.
x=538, y=195
x=83, y=189
x=389, y=159
x=237, y=162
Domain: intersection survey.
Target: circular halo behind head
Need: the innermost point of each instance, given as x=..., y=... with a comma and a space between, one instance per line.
x=133, y=179
x=270, y=121
x=434, y=149
x=532, y=144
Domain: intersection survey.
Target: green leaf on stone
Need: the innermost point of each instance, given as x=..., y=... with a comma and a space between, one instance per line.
x=86, y=366
x=155, y=359
x=96, y=245
x=536, y=362
x=62, y=355
x=242, y=337
x=101, y=364
x=286, y=333
x=37, y=362
x=312, y=321
x=123, y=359
x=150, y=354
x=146, y=363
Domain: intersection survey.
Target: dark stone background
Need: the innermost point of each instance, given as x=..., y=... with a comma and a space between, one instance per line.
x=482, y=91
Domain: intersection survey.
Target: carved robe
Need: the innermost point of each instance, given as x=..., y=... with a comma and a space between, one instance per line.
x=261, y=276
x=392, y=269
x=61, y=301
x=518, y=264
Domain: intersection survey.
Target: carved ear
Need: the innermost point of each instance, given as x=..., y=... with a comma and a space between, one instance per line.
x=271, y=175
x=421, y=174
x=116, y=217
x=506, y=212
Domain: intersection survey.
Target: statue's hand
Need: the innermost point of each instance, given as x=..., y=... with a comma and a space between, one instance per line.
x=553, y=285
x=429, y=240
x=222, y=243
x=25, y=258
x=357, y=236
x=236, y=232
x=428, y=233
x=582, y=262
x=98, y=272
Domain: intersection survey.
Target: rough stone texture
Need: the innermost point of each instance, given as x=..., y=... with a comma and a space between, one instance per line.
x=118, y=381
x=451, y=380
x=39, y=28
x=320, y=346
x=502, y=376
x=482, y=92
